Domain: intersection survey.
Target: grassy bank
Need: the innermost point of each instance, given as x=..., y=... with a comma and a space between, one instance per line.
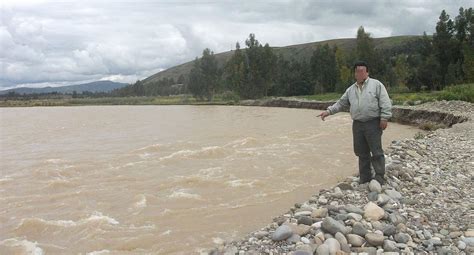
x=152, y=100
x=463, y=92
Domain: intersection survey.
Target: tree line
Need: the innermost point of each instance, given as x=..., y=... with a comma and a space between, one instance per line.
x=256, y=71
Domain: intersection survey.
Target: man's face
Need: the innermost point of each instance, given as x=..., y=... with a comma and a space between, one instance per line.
x=361, y=73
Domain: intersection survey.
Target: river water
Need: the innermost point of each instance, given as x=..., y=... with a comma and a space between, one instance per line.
x=161, y=179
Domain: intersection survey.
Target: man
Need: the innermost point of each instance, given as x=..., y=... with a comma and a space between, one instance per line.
x=370, y=109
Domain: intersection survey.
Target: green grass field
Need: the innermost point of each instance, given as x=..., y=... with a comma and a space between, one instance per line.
x=169, y=100
x=464, y=92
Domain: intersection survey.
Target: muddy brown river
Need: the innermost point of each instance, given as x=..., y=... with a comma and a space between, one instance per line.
x=160, y=179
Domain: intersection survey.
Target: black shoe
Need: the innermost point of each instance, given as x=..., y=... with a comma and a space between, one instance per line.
x=380, y=179
x=364, y=180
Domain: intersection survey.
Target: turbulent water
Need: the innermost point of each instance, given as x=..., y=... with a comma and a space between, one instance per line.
x=160, y=179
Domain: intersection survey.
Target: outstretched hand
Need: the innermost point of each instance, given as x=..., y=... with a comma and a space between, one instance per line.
x=323, y=115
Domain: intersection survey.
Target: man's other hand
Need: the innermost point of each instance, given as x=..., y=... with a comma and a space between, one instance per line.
x=383, y=124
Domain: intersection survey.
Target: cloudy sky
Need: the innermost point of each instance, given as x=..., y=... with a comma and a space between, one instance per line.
x=52, y=43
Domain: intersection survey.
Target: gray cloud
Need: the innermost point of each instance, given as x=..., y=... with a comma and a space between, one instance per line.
x=57, y=42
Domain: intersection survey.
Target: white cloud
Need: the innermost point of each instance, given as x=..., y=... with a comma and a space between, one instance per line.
x=66, y=42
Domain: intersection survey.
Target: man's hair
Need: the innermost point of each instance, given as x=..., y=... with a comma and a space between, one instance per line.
x=361, y=63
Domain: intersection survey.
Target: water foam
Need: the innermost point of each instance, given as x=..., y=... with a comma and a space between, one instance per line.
x=94, y=217
x=184, y=193
x=54, y=160
x=166, y=233
x=208, y=152
x=153, y=147
x=142, y=202
x=98, y=252
x=241, y=183
x=27, y=246
x=242, y=142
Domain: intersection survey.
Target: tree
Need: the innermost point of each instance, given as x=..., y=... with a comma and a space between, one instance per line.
x=181, y=79
x=464, y=28
x=401, y=70
x=324, y=69
x=203, y=77
x=209, y=70
x=443, y=45
x=365, y=48
x=268, y=68
x=255, y=79
x=137, y=89
x=282, y=77
x=236, y=71
x=468, y=64
x=345, y=77
x=250, y=72
x=196, y=81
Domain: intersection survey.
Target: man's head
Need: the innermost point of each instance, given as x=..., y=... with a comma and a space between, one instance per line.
x=361, y=71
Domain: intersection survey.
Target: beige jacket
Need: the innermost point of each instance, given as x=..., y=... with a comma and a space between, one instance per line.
x=369, y=103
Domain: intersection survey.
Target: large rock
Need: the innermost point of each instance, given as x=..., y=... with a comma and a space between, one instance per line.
x=402, y=238
x=389, y=230
x=333, y=245
x=468, y=240
x=333, y=226
x=375, y=186
x=377, y=225
x=302, y=229
x=283, y=232
x=469, y=233
x=337, y=193
x=305, y=240
x=390, y=246
x=345, y=186
x=374, y=239
x=260, y=234
x=317, y=224
x=393, y=194
x=294, y=238
x=373, y=196
x=322, y=200
x=359, y=229
x=320, y=213
x=365, y=250
x=353, y=209
x=323, y=249
x=354, y=216
x=383, y=199
x=302, y=213
x=320, y=236
x=302, y=252
x=413, y=154
x=373, y=212
x=355, y=240
x=341, y=217
x=305, y=220
x=396, y=218
x=341, y=238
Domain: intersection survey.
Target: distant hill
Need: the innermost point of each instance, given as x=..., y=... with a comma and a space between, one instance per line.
x=96, y=86
x=299, y=52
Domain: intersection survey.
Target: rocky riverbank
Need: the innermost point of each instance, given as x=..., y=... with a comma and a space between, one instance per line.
x=426, y=206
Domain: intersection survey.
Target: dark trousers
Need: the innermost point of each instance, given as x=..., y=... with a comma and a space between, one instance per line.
x=368, y=147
